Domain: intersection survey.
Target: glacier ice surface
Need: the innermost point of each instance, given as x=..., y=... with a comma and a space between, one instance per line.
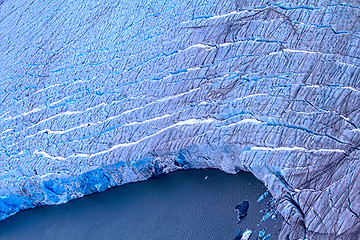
x=96, y=94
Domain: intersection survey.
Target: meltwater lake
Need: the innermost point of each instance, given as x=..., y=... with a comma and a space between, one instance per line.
x=192, y=204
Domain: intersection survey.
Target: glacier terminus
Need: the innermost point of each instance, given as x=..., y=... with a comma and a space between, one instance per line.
x=96, y=94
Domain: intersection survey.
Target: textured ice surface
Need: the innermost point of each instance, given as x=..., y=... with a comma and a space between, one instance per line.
x=95, y=94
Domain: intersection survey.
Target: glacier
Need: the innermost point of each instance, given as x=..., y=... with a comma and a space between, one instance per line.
x=96, y=94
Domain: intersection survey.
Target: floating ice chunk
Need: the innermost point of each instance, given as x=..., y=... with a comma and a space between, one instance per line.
x=263, y=196
x=261, y=233
x=246, y=235
x=266, y=237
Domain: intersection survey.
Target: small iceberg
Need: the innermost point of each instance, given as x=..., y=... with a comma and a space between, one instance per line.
x=263, y=196
x=246, y=235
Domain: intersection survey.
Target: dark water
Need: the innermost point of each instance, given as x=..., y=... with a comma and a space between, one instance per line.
x=181, y=205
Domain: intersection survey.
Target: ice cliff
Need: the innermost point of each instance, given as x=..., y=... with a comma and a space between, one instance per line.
x=95, y=94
